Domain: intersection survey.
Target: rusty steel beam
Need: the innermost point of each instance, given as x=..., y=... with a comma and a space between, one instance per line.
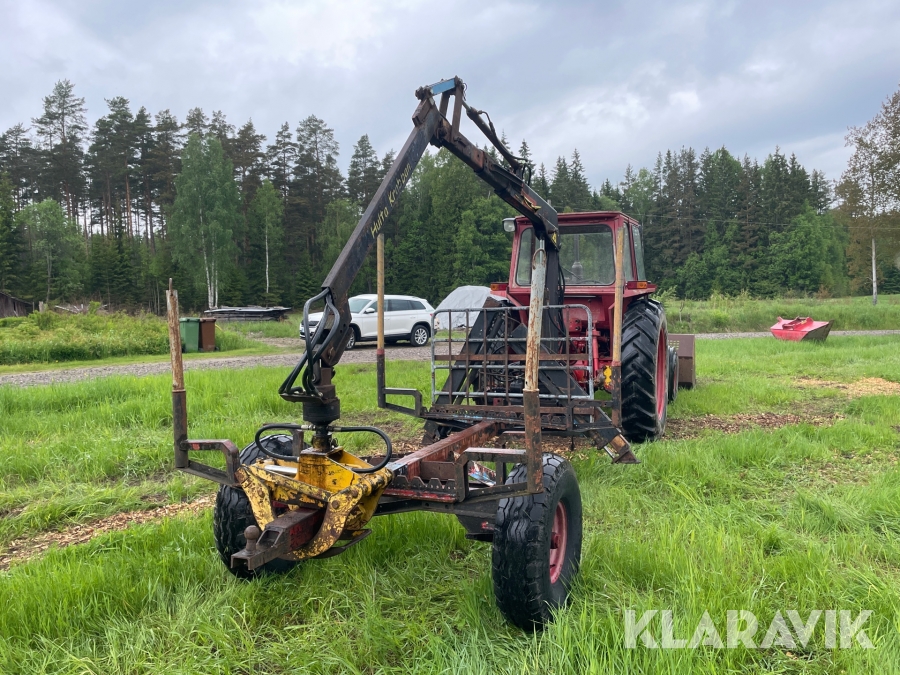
x=446, y=448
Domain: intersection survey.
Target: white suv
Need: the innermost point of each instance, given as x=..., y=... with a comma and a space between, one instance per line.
x=405, y=318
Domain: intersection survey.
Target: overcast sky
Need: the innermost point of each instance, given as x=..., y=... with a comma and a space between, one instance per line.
x=618, y=81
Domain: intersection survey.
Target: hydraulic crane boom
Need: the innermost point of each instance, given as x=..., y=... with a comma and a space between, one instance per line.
x=325, y=345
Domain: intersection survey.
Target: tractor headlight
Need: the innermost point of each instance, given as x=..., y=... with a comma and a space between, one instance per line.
x=509, y=224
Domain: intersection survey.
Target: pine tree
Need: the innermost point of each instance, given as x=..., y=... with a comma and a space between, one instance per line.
x=11, y=244
x=281, y=157
x=223, y=132
x=247, y=155
x=19, y=162
x=197, y=122
x=579, y=190
x=541, y=184
x=364, y=174
x=525, y=156
x=165, y=162
x=61, y=129
x=317, y=182
x=123, y=157
x=143, y=194
x=560, y=190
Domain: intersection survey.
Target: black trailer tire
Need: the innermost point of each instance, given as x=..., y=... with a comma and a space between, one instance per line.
x=420, y=335
x=645, y=377
x=233, y=514
x=534, y=560
x=673, y=374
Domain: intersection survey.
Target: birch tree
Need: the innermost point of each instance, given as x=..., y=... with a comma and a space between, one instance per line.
x=206, y=209
x=267, y=234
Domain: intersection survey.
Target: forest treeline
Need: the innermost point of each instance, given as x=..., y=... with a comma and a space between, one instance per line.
x=111, y=211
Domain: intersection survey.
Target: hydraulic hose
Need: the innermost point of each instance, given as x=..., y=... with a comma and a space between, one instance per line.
x=389, y=450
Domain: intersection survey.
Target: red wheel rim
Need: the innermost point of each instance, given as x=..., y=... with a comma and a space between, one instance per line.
x=558, y=538
x=662, y=383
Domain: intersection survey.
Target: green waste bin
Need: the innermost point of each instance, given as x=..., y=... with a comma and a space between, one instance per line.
x=190, y=334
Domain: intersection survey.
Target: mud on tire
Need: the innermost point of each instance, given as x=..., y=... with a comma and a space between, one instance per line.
x=644, y=397
x=232, y=514
x=524, y=587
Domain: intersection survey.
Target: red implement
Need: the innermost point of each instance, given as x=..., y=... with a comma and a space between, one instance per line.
x=801, y=328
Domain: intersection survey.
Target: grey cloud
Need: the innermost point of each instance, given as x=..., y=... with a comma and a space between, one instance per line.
x=619, y=81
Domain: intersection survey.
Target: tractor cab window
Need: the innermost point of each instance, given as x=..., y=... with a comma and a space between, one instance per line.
x=629, y=267
x=638, y=251
x=586, y=256
x=523, y=263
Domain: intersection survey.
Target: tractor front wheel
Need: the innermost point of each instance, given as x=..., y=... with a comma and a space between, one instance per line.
x=645, y=371
x=537, y=545
x=233, y=514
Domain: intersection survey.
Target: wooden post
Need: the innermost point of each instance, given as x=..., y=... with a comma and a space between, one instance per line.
x=531, y=399
x=179, y=397
x=616, y=367
x=379, y=353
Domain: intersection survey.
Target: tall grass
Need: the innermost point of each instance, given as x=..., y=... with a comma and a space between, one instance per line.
x=72, y=452
x=743, y=313
x=801, y=517
x=48, y=337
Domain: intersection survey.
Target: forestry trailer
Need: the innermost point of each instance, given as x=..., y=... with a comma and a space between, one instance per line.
x=571, y=346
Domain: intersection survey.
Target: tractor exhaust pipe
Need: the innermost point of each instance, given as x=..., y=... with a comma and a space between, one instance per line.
x=531, y=399
x=179, y=396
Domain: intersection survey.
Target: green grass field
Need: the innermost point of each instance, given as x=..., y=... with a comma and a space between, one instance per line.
x=722, y=314
x=717, y=315
x=54, y=338
x=804, y=516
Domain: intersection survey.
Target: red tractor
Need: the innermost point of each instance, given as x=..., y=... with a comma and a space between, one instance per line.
x=588, y=273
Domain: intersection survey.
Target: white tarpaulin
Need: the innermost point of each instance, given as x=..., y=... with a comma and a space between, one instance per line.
x=464, y=297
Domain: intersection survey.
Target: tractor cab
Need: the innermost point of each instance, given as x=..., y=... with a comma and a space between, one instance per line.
x=586, y=260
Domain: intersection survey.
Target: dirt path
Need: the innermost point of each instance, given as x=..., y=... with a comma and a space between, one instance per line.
x=364, y=353
x=22, y=549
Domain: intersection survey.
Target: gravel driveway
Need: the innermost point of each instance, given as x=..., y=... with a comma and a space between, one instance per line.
x=364, y=353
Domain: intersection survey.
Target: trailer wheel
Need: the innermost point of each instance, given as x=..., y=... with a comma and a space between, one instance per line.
x=537, y=545
x=673, y=374
x=645, y=365
x=233, y=514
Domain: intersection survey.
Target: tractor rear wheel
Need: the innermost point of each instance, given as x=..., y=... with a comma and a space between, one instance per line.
x=233, y=514
x=645, y=370
x=537, y=545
